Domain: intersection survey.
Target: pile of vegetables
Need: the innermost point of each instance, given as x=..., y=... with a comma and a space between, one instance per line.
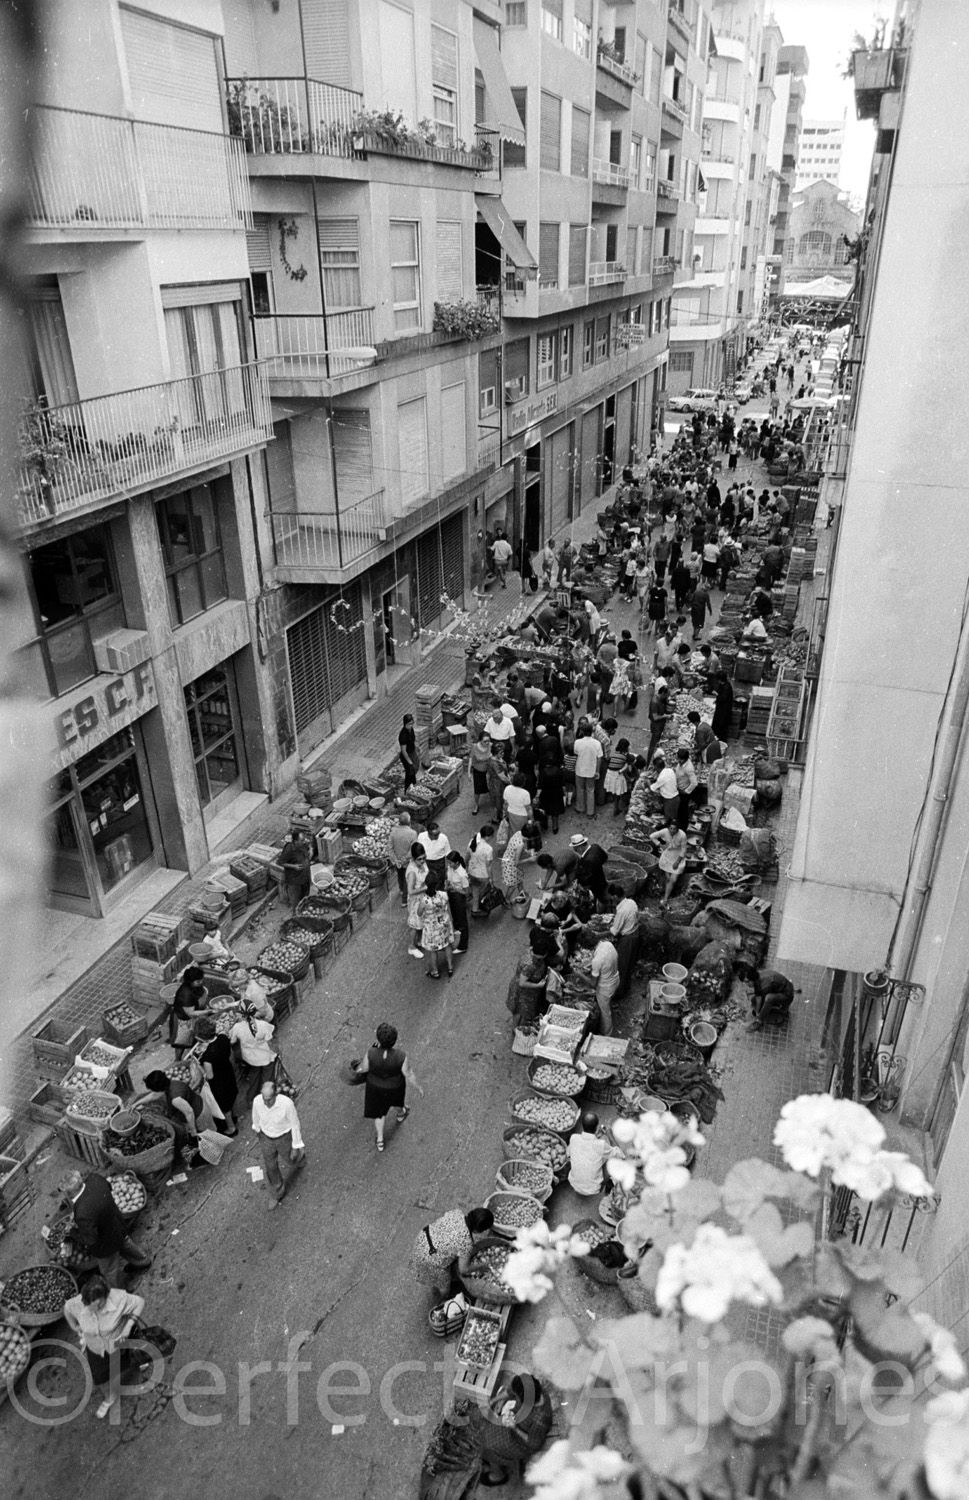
x=514, y=1210
x=479, y=1341
x=100, y=1056
x=303, y=936
x=142, y=1138
x=375, y=843
x=121, y=1016
x=556, y=1078
x=543, y=1146
x=61, y=1247
x=523, y=1176
x=39, y=1289
x=284, y=955
x=128, y=1193
x=14, y=1351
x=93, y=1107
x=347, y=885
x=489, y=1264
x=553, y=1114
x=685, y=1079
x=452, y=1448
x=81, y=1081
x=270, y=985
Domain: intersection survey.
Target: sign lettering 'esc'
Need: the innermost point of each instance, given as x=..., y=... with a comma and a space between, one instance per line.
x=106, y=708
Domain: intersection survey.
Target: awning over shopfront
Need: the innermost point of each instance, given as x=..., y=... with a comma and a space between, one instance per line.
x=495, y=215
x=500, y=111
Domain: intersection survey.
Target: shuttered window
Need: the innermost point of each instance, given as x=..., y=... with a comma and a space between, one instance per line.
x=326, y=41
x=172, y=73
x=580, y=142
x=548, y=255
x=546, y=360
x=551, y=133
x=412, y=439
x=397, y=70
x=444, y=84
x=450, y=264
x=340, y=262
x=353, y=455
x=454, y=450
x=513, y=155
x=577, y=239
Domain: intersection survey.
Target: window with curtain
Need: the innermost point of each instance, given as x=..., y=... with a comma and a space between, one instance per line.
x=552, y=18
x=49, y=348
x=551, y=133
x=548, y=255
x=577, y=240
x=340, y=262
x=405, y=272
x=580, y=142
x=582, y=27
x=412, y=439
x=516, y=369
x=204, y=342
x=444, y=84
x=513, y=155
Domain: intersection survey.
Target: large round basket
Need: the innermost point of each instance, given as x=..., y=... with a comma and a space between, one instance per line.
x=539, y=1145
x=317, y=930
x=128, y=1193
x=560, y=1115
x=514, y=1211
x=336, y=909
x=484, y=1284
x=124, y=1151
x=14, y=1351
x=522, y=1174
x=271, y=958
x=39, y=1294
x=555, y=1080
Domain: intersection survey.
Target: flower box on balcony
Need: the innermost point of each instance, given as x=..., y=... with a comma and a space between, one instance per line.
x=466, y=319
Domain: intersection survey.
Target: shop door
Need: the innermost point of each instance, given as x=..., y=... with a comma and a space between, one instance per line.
x=213, y=726
x=532, y=531
x=72, y=874
x=624, y=406
x=590, y=456
x=559, y=471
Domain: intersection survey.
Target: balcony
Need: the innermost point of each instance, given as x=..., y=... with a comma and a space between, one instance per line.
x=303, y=117
x=605, y=272
x=109, y=447
x=609, y=173
x=664, y=265
x=615, y=67
x=668, y=196
x=318, y=548
x=679, y=22
x=314, y=348
x=874, y=74
x=92, y=174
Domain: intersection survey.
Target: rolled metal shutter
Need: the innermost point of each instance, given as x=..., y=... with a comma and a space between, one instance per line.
x=550, y=135
x=452, y=546
x=326, y=40
x=450, y=261
x=624, y=410
x=309, y=680
x=430, y=578
x=345, y=649
x=172, y=72
x=590, y=457
x=559, y=469
x=259, y=248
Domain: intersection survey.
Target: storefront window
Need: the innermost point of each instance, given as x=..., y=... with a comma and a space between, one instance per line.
x=76, y=602
x=98, y=826
x=192, y=547
x=210, y=705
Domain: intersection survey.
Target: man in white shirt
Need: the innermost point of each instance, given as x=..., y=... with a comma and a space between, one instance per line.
x=502, y=554
x=499, y=729
x=624, y=932
x=665, y=786
x=437, y=847
x=275, y=1121
x=605, y=972
x=588, y=1154
x=588, y=757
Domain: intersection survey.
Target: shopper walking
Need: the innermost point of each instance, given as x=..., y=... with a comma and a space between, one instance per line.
x=700, y=608
x=388, y=1072
x=99, y=1231
x=276, y=1123
x=253, y=1039
x=437, y=847
x=588, y=757
x=416, y=879
x=437, y=929
x=480, y=761
x=103, y=1317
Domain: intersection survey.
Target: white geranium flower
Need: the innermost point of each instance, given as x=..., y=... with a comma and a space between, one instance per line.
x=561, y=1474
x=539, y=1252
x=810, y=1336
x=947, y=1445
x=817, y=1131
x=622, y=1171
x=714, y=1271
x=908, y=1178
x=946, y=1359
x=655, y=1146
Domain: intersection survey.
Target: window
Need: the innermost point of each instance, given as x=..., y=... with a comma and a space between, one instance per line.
x=412, y=441
x=552, y=18
x=602, y=337
x=635, y=160
x=619, y=42
x=516, y=369
x=697, y=122
x=204, y=341
x=646, y=252
x=487, y=382
x=649, y=170
x=565, y=352
x=681, y=361
x=581, y=36
x=76, y=601
x=547, y=360
x=588, y=343
x=577, y=239
x=261, y=287
x=612, y=242
x=188, y=525
x=209, y=705
x=48, y=345
x=743, y=258
x=757, y=117
x=740, y=302
x=98, y=823
x=340, y=262
x=551, y=133
x=450, y=268
x=655, y=75
x=747, y=210
x=548, y=255
x=513, y=155
x=579, y=164
x=444, y=84
x=405, y=273
x=516, y=13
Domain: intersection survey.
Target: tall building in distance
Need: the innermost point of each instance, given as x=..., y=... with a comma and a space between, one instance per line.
x=819, y=153
x=789, y=88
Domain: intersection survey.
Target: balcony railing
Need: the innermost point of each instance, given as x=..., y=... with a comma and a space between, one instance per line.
x=610, y=172
x=664, y=265
x=620, y=70
x=874, y=73
x=310, y=346
x=603, y=272
x=105, y=172
x=679, y=22
x=667, y=189
x=673, y=110
x=330, y=541
x=292, y=116
x=112, y=446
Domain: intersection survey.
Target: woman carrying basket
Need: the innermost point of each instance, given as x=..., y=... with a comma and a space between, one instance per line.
x=388, y=1073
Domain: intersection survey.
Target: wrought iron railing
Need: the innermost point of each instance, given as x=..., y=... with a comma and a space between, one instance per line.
x=620, y=70
x=332, y=540
x=602, y=272
x=292, y=116
x=304, y=346
x=610, y=172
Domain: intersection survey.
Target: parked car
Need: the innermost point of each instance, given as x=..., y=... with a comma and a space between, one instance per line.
x=742, y=393
x=696, y=399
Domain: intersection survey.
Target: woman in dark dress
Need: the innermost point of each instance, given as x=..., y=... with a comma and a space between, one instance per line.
x=551, y=795
x=387, y=1075
x=189, y=1002
x=220, y=1075
x=720, y=724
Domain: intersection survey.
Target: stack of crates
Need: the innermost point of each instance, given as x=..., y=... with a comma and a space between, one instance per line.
x=10, y=1143
x=159, y=952
x=16, y=1190
x=56, y=1044
x=758, y=715
x=236, y=892
x=253, y=873
x=428, y=712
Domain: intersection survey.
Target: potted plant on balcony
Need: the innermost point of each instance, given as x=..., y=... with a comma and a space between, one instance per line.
x=465, y=319
x=49, y=450
x=260, y=121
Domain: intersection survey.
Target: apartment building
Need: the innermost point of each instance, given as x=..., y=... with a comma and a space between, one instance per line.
x=878, y=881
x=789, y=88
x=711, y=312
x=819, y=152
x=819, y=224
x=141, y=484
x=766, y=112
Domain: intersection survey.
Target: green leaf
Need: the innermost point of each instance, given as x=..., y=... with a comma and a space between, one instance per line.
x=778, y=1244
x=561, y=1355
x=699, y=1200
x=898, y=1273
x=884, y=1333
x=638, y=1341
x=748, y=1183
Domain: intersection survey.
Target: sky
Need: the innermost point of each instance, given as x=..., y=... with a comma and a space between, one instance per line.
x=825, y=28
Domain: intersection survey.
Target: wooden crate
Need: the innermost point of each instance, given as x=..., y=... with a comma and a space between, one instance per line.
x=124, y=1033
x=89, y=1148
x=10, y=1142
x=155, y=942
x=55, y=1045
x=47, y=1105
x=479, y=1385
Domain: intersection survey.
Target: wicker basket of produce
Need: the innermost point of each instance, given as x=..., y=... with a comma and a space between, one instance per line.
x=672, y=1052
x=540, y=1145
x=352, y=886
x=595, y=1236
x=91, y=1111
x=374, y=869
x=128, y=1193
x=61, y=1248
x=521, y=1174
x=14, y=1351
x=514, y=1211
x=335, y=909
x=150, y=1147
x=560, y=1115
x=295, y=930
x=291, y=957
x=602, y=1086
x=39, y=1294
x=555, y=1080
x=524, y=1040
x=483, y=1278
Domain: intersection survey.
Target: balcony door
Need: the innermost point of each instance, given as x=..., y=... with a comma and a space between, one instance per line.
x=205, y=351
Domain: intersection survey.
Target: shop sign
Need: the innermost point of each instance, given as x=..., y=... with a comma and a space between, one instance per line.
x=99, y=710
x=523, y=416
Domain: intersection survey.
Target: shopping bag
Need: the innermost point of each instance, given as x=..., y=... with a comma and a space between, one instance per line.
x=502, y=836
x=491, y=899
